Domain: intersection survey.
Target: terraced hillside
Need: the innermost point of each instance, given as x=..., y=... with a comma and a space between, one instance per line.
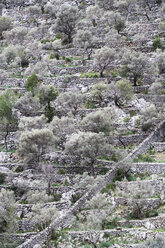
x=82, y=149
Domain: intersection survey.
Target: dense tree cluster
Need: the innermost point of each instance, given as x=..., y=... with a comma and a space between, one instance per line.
x=76, y=78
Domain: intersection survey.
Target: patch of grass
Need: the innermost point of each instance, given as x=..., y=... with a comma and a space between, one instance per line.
x=2, y=178
x=143, y=158
x=90, y=104
x=61, y=171
x=108, y=188
x=75, y=198
x=90, y=75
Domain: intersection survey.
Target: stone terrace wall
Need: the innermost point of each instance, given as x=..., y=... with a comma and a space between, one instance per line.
x=67, y=219
x=157, y=135
x=155, y=186
x=159, y=146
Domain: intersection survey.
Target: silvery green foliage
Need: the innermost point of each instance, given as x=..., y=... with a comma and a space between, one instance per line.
x=41, y=216
x=85, y=181
x=120, y=92
x=103, y=57
x=5, y=24
x=155, y=89
x=95, y=220
x=99, y=201
x=40, y=69
x=158, y=242
x=147, y=117
x=86, y=147
x=7, y=209
x=28, y=105
x=38, y=196
x=50, y=9
x=135, y=65
x=106, y=4
x=100, y=208
x=84, y=39
x=113, y=39
x=32, y=145
x=61, y=128
x=114, y=20
x=8, y=55
x=93, y=14
x=49, y=174
x=16, y=36
x=97, y=91
x=14, y=55
x=125, y=6
x=33, y=50
x=69, y=102
x=34, y=12
x=30, y=123
x=66, y=20
x=3, y=76
x=160, y=60
x=99, y=121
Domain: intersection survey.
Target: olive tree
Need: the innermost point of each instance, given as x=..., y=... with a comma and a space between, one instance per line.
x=120, y=92
x=156, y=89
x=103, y=57
x=8, y=55
x=7, y=210
x=99, y=121
x=160, y=61
x=38, y=196
x=86, y=147
x=84, y=39
x=134, y=65
x=41, y=69
x=8, y=120
x=5, y=24
x=32, y=145
x=16, y=36
x=41, y=217
x=69, y=102
x=48, y=171
x=34, y=12
x=114, y=20
x=61, y=128
x=93, y=14
x=125, y=7
x=158, y=242
x=66, y=21
x=29, y=123
x=28, y=105
x=146, y=118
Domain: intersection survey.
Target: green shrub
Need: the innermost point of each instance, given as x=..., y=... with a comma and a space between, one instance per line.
x=44, y=41
x=68, y=60
x=157, y=43
x=2, y=178
x=90, y=75
x=57, y=197
x=90, y=104
x=75, y=198
x=58, y=36
x=143, y=158
x=52, y=56
x=67, y=79
x=108, y=188
x=112, y=224
x=61, y=171
x=31, y=82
